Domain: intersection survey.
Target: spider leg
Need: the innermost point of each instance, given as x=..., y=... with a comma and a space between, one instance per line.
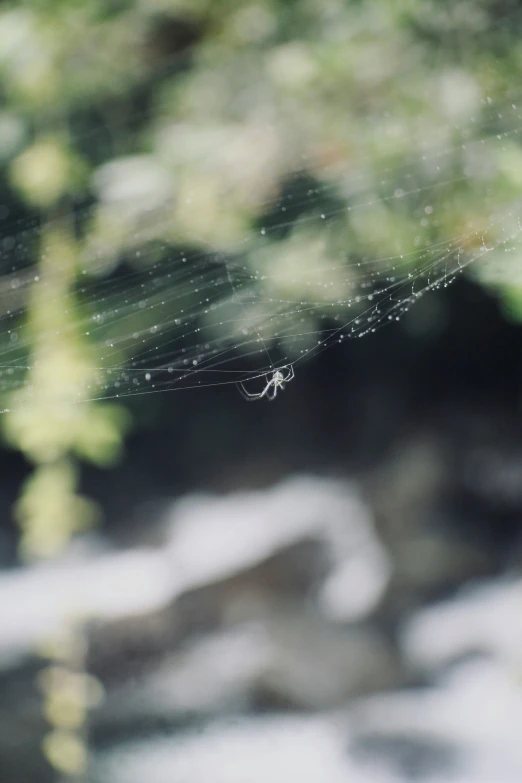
x=251, y=395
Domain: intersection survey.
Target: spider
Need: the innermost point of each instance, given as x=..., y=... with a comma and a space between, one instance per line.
x=274, y=381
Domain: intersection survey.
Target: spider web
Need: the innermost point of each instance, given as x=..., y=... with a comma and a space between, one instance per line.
x=324, y=254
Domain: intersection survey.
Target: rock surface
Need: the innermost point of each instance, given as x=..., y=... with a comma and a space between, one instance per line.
x=273, y=635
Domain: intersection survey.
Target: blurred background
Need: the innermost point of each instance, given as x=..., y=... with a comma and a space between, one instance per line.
x=322, y=587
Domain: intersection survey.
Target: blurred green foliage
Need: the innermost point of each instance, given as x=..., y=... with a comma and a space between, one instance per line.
x=131, y=128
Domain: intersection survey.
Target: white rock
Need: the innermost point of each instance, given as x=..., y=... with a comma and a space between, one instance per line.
x=484, y=619
x=255, y=750
x=207, y=538
x=36, y=602
x=477, y=711
x=212, y=537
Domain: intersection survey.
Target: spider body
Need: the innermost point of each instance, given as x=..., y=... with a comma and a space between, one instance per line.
x=275, y=380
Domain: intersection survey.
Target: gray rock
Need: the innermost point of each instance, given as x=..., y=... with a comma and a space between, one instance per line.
x=319, y=666
x=125, y=647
